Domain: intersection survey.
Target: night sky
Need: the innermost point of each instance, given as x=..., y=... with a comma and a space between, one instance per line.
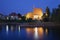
x=25, y=6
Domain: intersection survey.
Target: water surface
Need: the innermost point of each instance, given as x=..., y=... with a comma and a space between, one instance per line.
x=15, y=32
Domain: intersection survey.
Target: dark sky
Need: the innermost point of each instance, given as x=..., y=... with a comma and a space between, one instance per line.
x=25, y=6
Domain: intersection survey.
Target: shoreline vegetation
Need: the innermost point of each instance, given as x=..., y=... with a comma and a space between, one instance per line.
x=31, y=23
x=26, y=21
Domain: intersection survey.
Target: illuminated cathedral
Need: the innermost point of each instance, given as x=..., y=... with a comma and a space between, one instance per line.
x=35, y=15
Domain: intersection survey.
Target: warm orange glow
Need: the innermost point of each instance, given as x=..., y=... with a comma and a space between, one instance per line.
x=40, y=30
x=28, y=30
x=36, y=14
x=38, y=11
x=29, y=15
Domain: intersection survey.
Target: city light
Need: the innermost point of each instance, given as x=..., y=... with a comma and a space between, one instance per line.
x=41, y=31
x=36, y=33
x=19, y=28
x=7, y=28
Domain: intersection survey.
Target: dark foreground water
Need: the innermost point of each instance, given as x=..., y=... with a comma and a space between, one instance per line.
x=10, y=32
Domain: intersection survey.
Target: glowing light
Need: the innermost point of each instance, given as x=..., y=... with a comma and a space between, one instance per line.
x=19, y=28
x=35, y=16
x=36, y=33
x=46, y=31
x=7, y=28
x=46, y=14
x=29, y=15
x=38, y=11
x=7, y=18
x=28, y=30
x=40, y=30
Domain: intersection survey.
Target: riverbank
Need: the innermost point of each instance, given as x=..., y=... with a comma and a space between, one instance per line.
x=32, y=23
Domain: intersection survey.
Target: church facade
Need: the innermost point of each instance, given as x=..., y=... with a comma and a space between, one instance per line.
x=35, y=15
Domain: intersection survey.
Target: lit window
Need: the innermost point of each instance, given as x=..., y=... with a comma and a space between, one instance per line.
x=19, y=18
x=11, y=16
x=35, y=16
x=7, y=18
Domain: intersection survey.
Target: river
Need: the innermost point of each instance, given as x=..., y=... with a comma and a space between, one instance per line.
x=15, y=32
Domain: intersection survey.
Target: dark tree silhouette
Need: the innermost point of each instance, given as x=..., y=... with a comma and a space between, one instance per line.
x=56, y=14
x=19, y=15
x=59, y=5
x=48, y=11
x=46, y=15
x=23, y=18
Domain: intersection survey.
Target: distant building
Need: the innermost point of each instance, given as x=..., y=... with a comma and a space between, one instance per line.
x=7, y=17
x=13, y=16
x=29, y=15
x=2, y=16
x=35, y=15
x=19, y=16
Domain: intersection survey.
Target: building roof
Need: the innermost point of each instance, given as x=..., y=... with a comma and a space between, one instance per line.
x=13, y=14
x=1, y=14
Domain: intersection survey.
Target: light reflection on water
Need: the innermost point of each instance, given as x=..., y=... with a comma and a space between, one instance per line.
x=7, y=28
x=46, y=31
x=28, y=30
x=37, y=33
x=40, y=31
x=12, y=28
x=19, y=28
